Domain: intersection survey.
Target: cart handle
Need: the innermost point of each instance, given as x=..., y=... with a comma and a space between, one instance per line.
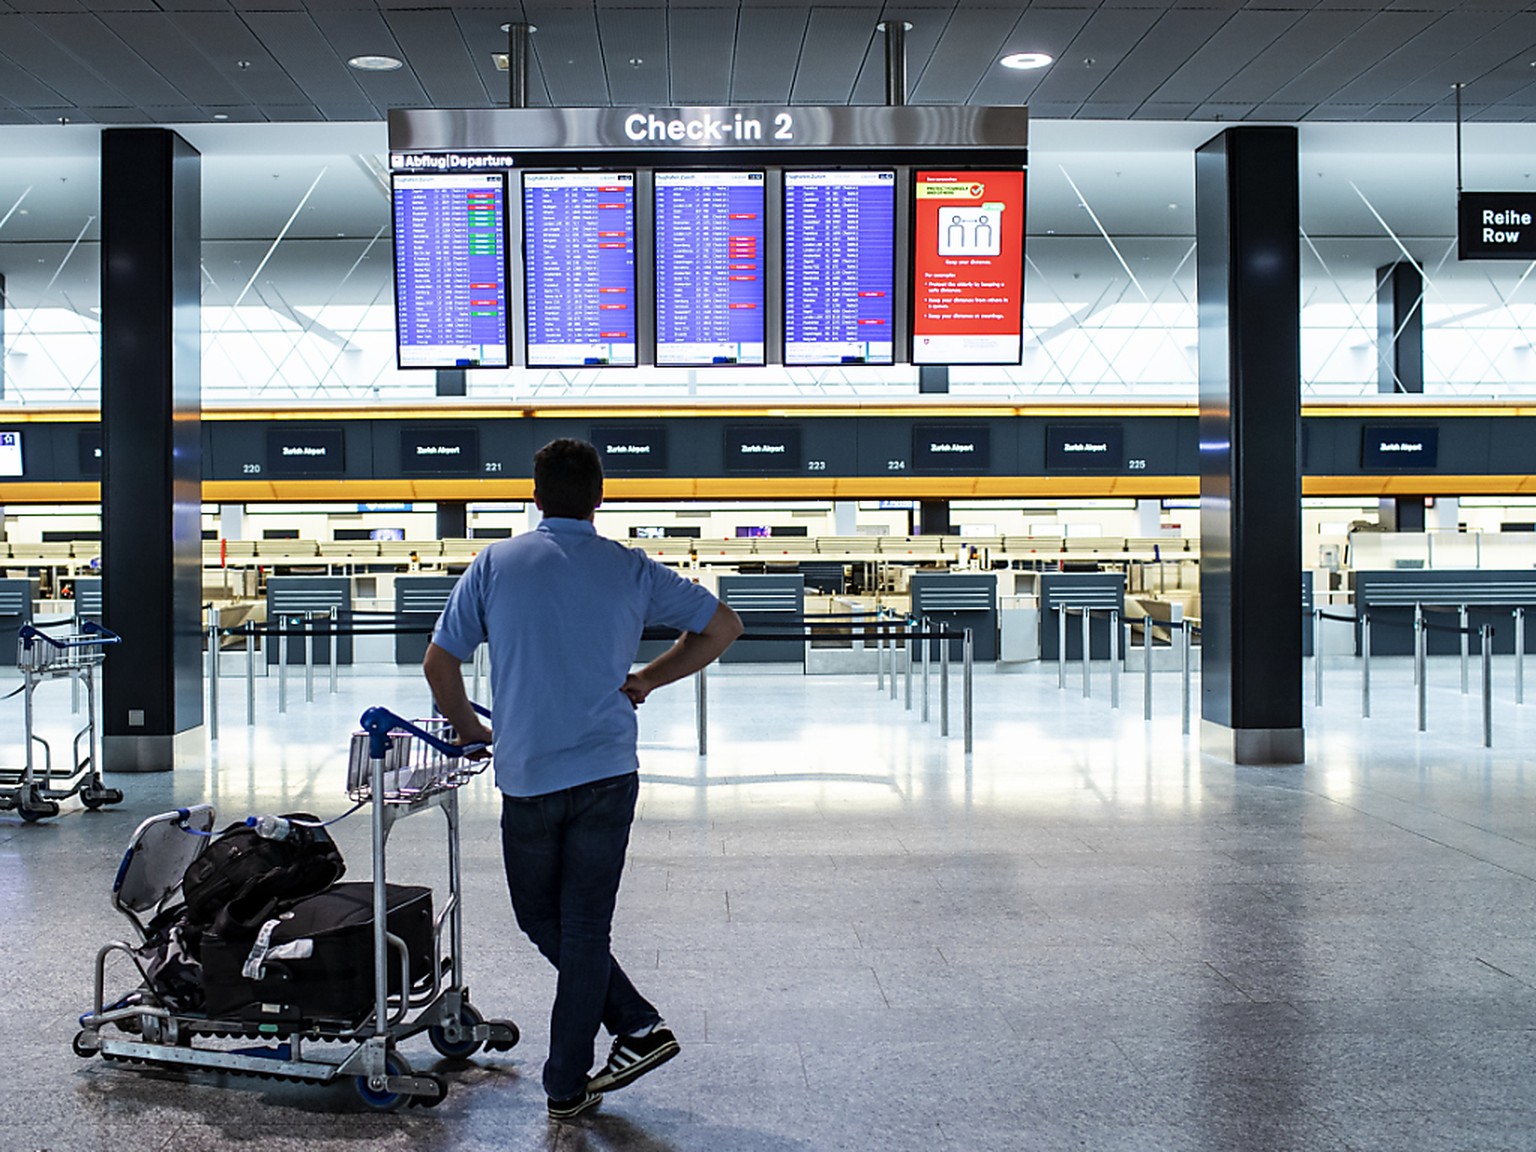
x=95, y=636
x=379, y=722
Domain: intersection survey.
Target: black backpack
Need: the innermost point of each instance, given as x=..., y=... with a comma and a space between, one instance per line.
x=243, y=878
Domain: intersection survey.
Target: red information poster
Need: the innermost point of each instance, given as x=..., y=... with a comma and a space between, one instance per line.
x=968, y=268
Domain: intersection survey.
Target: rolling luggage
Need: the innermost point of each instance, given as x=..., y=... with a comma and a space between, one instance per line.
x=316, y=960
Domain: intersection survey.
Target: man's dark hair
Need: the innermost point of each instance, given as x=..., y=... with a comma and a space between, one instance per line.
x=568, y=478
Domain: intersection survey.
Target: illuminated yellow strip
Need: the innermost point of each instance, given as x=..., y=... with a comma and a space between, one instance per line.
x=51, y=492
x=1417, y=485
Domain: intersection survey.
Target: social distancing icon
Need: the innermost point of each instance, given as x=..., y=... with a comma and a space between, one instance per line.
x=971, y=231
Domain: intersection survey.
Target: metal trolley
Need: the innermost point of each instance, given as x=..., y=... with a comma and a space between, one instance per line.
x=35, y=792
x=398, y=768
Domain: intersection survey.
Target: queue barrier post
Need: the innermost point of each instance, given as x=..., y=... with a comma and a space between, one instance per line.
x=1420, y=662
x=282, y=665
x=1365, y=665
x=1485, y=639
x=1317, y=657
x=1114, y=658
x=701, y=709
x=475, y=669
x=250, y=673
x=1087, y=652
x=1185, y=632
x=927, y=655
x=309, y=657
x=908, y=664
x=944, y=685
x=966, y=691
x=1146, y=667
x=1061, y=646
x=895, y=649
x=336, y=650
x=1466, y=642
x=1519, y=655
x=879, y=657
x=213, y=673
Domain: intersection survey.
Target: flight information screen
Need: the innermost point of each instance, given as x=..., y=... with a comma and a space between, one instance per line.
x=451, y=270
x=709, y=268
x=579, y=262
x=839, y=267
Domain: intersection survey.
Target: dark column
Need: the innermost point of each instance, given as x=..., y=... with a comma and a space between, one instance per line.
x=452, y=519
x=1402, y=513
x=933, y=517
x=933, y=378
x=1399, y=328
x=151, y=350
x=1247, y=227
x=452, y=382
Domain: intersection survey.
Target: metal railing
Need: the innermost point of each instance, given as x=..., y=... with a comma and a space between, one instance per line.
x=1181, y=639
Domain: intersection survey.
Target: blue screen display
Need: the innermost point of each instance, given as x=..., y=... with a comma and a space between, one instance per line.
x=839, y=267
x=579, y=262
x=451, y=270
x=709, y=268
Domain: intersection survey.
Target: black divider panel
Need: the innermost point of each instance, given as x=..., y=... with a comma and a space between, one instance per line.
x=1100, y=591
x=959, y=602
x=16, y=597
x=1307, y=602
x=1490, y=596
x=88, y=593
x=766, y=603
x=299, y=594
x=419, y=600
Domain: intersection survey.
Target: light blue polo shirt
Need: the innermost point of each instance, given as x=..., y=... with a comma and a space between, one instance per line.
x=562, y=609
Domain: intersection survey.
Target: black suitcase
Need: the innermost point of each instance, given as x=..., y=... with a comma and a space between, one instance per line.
x=335, y=982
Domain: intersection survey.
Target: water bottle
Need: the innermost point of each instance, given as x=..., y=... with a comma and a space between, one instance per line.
x=269, y=827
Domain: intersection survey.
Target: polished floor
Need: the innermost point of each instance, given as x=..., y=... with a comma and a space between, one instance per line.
x=1085, y=935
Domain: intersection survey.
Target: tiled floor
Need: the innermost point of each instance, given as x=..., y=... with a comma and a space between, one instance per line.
x=1083, y=936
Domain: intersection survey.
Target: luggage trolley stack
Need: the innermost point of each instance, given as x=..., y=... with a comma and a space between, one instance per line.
x=34, y=792
x=398, y=768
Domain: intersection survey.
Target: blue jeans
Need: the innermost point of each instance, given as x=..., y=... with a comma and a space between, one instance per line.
x=564, y=854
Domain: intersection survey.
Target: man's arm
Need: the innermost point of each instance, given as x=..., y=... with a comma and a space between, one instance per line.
x=445, y=676
x=693, y=651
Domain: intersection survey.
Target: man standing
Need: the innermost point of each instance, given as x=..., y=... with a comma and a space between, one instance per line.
x=563, y=610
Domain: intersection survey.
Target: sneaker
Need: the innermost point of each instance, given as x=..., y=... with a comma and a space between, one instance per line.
x=575, y=1106
x=632, y=1057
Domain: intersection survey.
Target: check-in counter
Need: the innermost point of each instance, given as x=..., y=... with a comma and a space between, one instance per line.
x=1096, y=591
x=772, y=603
x=298, y=595
x=959, y=600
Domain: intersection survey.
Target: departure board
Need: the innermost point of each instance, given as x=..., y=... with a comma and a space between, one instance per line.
x=579, y=268
x=709, y=268
x=839, y=267
x=451, y=270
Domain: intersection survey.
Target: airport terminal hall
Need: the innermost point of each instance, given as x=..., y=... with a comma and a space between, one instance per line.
x=768, y=575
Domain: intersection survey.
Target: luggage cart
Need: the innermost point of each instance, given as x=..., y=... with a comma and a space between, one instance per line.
x=35, y=792
x=398, y=768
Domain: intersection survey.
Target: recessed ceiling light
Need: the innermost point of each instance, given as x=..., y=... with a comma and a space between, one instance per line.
x=1023, y=61
x=636, y=61
x=374, y=63
x=221, y=115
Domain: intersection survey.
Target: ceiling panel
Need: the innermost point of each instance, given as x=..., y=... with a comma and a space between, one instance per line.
x=570, y=56
x=837, y=40
x=28, y=46
x=1147, y=66
x=1302, y=46
x=635, y=54
x=303, y=52
x=1048, y=30
x=706, y=38
x=158, y=42
x=1495, y=65
x=1104, y=40
x=226, y=41
x=966, y=51
x=1379, y=36
x=765, y=71
x=481, y=30
x=1220, y=58
x=104, y=53
x=1397, y=69
x=436, y=52
x=359, y=33
x=20, y=89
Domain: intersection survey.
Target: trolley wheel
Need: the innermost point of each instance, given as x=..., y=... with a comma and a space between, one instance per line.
x=33, y=809
x=438, y=1096
x=462, y=1049
x=85, y=1044
x=385, y=1100
x=504, y=1036
x=94, y=800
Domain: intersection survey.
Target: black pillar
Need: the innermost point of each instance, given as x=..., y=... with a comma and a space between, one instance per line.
x=1403, y=514
x=452, y=519
x=452, y=382
x=933, y=378
x=1247, y=227
x=933, y=517
x=1399, y=328
x=151, y=489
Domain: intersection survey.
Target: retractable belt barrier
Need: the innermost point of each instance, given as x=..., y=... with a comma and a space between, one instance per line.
x=1183, y=629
